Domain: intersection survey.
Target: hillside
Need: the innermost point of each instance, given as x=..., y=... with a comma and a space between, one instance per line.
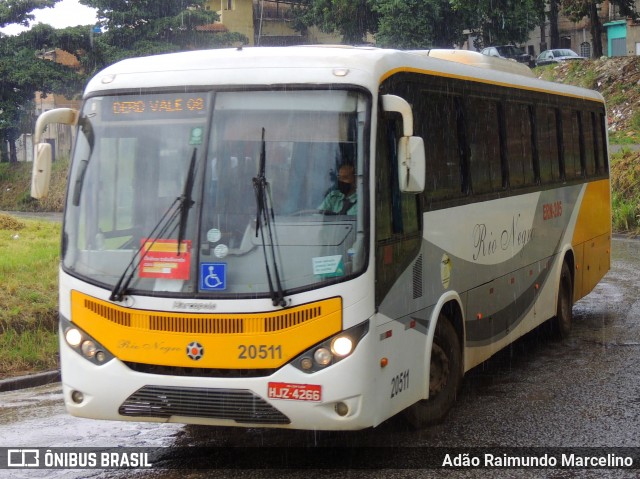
x=618, y=80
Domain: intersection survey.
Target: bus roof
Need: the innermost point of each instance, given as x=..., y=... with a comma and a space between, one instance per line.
x=477, y=59
x=306, y=65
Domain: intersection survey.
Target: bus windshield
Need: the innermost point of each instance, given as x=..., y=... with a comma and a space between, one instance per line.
x=218, y=193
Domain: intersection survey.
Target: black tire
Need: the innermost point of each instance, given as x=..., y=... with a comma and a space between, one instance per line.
x=561, y=323
x=445, y=378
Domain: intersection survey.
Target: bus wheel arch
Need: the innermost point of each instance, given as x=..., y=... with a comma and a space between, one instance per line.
x=445, y=369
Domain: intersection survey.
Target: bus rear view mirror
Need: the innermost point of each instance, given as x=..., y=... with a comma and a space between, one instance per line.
x=411, y=164
x=411, y=156
x=41, y=173
x=42, y=155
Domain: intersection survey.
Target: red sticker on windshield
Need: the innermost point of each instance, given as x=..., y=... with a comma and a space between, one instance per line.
x=162, y=259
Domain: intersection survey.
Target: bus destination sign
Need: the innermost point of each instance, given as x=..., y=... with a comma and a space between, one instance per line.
x=155, y=106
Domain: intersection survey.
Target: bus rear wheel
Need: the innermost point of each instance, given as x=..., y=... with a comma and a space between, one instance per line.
x=561, y=323
x=445, y=375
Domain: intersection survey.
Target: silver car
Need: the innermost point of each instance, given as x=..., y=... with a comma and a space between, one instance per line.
x=508, y=51
x=557, y=55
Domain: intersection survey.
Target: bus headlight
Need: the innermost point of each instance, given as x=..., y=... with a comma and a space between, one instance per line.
x=332, y=350
x=73, y=337
x=89, y=348
x=342, y=346
x=322, y=356
x=83, y=344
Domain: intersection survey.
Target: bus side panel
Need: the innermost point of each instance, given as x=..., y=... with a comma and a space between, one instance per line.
x=404, y=351
x=592, y=236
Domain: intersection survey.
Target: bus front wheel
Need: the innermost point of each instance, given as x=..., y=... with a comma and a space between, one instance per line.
x=445, y=375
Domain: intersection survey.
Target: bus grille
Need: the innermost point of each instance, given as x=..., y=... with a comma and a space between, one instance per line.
x=252, y=323
x=239, y=405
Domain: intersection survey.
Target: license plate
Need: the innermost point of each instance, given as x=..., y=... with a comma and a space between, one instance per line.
x=295, y=392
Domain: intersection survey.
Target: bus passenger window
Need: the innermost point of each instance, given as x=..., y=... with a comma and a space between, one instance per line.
x=484, y=145
x=571, y=144
x=547, y=135
x=518, y=142
x=589, y=150
x=437, y=124
x=601, y=129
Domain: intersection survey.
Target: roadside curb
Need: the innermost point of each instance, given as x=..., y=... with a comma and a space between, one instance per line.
x=30, y=381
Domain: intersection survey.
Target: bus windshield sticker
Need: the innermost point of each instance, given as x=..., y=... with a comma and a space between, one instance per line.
x=328, y=266
x=214, y=235
x=213, y=276
x=161, y=259
x=196, y=136
x=221, y=251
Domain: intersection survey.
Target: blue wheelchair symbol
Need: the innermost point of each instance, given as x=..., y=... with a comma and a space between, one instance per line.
x=213, y=276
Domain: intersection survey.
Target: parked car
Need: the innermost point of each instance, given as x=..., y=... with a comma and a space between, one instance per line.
x=508, y=51
x=557, y=55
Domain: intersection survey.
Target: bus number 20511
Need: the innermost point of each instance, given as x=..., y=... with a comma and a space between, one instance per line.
x=399, y=383
x=261, y=351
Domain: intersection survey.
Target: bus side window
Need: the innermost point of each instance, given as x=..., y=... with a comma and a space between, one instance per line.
x=518, y=145
x=571, y=144
x=437, y=123
x=601, y=134
x=589, y=143
x=548, y=151
x=485, y=159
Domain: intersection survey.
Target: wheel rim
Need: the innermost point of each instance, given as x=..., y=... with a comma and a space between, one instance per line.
x=438, y=371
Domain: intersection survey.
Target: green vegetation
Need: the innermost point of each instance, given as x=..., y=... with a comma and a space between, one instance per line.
x=15, y=185
x=29, y=257
x=625, y=187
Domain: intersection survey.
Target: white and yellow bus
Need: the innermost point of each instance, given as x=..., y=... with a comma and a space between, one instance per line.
x=201, y=282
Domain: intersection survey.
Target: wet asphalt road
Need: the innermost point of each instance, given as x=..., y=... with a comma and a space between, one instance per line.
x=583, y=392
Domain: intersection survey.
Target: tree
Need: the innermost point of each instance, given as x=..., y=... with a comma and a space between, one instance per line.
x=497, y=22
x=20, y=12
x=415, y=24
x=23, y=73
x=353, y=19
x=146, y=27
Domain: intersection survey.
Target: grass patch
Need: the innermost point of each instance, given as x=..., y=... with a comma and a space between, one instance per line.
x=29, y=259
x=625, y=187
x=28, y=351
x=15, y=183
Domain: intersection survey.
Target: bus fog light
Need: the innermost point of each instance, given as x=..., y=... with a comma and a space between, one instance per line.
x=89, y=348
x=73, y=337
x=77, y=397
x=100, y=356
x=342, y=346
x=306, y=363
x=342, y=409
x=322, y=356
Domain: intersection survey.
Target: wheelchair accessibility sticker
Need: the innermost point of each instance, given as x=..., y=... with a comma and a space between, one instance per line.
x=213, y=276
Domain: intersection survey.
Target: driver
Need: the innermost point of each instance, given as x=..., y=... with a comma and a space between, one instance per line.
x=342, y=200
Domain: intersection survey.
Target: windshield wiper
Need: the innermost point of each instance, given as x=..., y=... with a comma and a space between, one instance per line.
x=186, y=200
x=266, y=216
x=87, y=129
x=165, y=227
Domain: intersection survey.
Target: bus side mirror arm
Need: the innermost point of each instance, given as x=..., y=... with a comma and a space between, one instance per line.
x=41, y=172
x=411, y=155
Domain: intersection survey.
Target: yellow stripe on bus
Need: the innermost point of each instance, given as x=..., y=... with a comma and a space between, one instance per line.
x=226, y=341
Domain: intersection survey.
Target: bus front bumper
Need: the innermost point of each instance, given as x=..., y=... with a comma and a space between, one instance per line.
x=337, y=398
